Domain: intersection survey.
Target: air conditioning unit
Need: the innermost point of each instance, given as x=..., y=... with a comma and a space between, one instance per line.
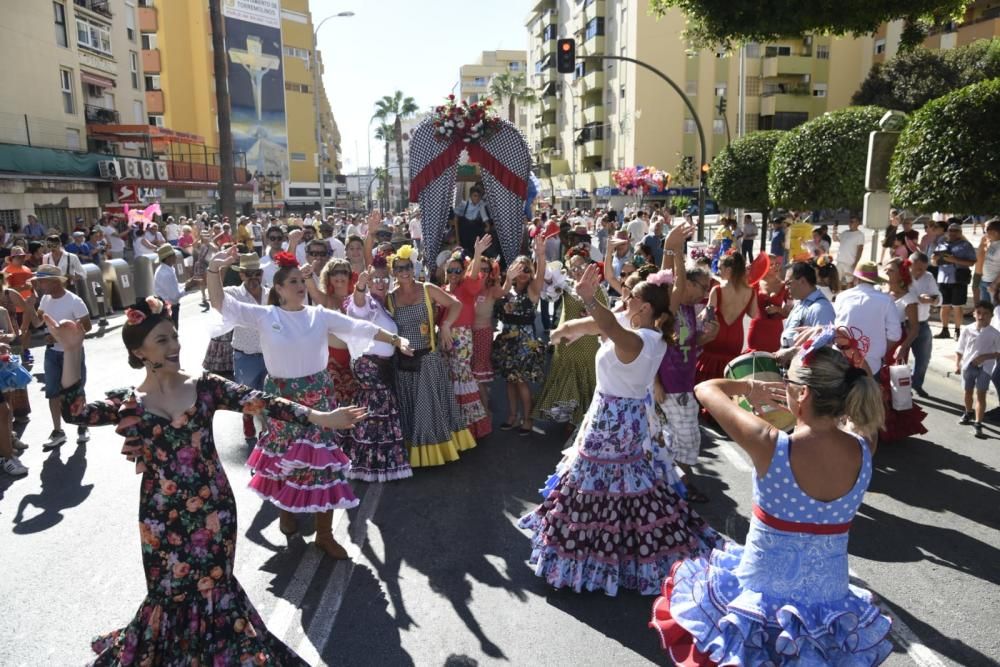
x=132, y=169
x=808, y=40
x=161, y=171
x=148, y=171
x=109, y=169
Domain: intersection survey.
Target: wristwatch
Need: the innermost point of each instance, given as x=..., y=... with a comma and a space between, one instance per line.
x=669, y=253
x=395, y=340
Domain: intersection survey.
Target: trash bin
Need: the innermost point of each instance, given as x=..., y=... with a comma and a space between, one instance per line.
x=123, y=294
x=143, y=267
x=91, y=289
x=183, y=271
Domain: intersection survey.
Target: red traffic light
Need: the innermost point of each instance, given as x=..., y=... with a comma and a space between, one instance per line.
x=566, y=46
x=566, y=56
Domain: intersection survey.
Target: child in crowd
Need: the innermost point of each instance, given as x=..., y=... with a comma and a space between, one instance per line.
x=975, y=358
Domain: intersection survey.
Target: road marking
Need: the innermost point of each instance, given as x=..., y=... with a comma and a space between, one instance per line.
x=901, y=633
x=313, y=644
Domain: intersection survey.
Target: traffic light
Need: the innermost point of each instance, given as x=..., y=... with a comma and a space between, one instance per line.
x=566, y=56
x=722, y=106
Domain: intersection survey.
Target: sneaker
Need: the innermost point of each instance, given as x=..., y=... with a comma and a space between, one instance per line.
x=56, y=439
x=26, y=358
x=979, y=429
x=19, y=445
x=944, y=334
x=82, y=435
x=13, y=467
x=966, y=418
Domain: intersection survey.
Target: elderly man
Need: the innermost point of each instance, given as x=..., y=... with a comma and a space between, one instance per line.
x=654, y=240
x=248, y=359
x=954, y=256
x=165, y=283
x=812, y=308
x=925, y=288
x=870, y=312
x=33, y=231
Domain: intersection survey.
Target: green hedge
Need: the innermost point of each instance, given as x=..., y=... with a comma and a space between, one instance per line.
x=738, y=178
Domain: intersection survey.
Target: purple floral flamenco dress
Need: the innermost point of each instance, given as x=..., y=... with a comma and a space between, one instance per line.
x=195, y=611
x=609, y=522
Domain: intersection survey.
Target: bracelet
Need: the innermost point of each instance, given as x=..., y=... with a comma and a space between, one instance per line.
x=211, y=271
x=592, y=304
x=669, y=253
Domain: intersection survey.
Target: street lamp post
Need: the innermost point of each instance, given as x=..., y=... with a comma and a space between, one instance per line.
x=320, y=148
x=369, y=170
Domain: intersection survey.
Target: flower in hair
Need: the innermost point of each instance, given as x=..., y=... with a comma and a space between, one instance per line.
x=134, y=317
x=661, y=278
x=853, y=343
x=904, y=272
x=404, y=253
x=809, y=348
x=379, y=261
x=155, y=305
x=823, y=260
x=286, y=260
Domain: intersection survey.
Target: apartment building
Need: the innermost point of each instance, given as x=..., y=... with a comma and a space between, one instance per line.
x=74, y=65
x=474, y=81
x=611, y=114
x=981, y=21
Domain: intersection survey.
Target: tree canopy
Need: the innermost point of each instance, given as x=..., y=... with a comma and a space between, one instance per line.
x=725, y=21
x=946, y=158
x=738, y=178
x=911, y=79
x=821, y=164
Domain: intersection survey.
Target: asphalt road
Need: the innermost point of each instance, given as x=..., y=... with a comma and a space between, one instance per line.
x=438, y=575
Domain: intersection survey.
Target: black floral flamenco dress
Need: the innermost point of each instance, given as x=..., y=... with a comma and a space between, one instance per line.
x=195, y=611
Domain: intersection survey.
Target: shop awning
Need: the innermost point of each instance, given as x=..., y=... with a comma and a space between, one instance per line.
x=95, y=80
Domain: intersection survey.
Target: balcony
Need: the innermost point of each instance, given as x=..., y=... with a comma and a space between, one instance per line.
x=547, y=131
x=102, y=7
x=789, y=102
x=548, y=103
x=591, y=115
x=593, y=9
x=148, y=21
x=787, y=66
x=591, y=82
x=154, y=102
x=594, y=148
x=151, y=61
x=592, y=47
x=99, y=115
x=546, y=48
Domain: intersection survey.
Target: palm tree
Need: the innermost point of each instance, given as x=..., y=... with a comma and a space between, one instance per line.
x=513, y=87
x=385, y=133
x=397, y=107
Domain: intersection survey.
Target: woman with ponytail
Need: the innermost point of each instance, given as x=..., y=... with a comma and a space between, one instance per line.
x=298, y=468
x=609, y=522
x=785, y=598
x=571, y=380
x=729, y=304
x=195, y=611
x=901, y=424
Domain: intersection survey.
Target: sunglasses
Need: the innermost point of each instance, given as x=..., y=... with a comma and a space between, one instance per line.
x=455, y=272
x=252, y=274
x=275, y=238
x=317, y=254
x=526, y=269
x=401, y=268
x=53, y=244
x=380, y=279
x=340, y=272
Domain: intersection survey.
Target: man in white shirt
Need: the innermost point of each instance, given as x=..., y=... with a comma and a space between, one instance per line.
x=165, y=283
x=146, y=243
x=416, y=232
x=749, y=236
x=67, y=262
x=248, y=358
x=171, y=231
x=337, y=248
x=275, y=244
x=975, y=358
x=852, y=246
x=637, y=228
x=60, y=305
x=871, y=312
x=925, y=288
x=257, y=232
x=115, y=238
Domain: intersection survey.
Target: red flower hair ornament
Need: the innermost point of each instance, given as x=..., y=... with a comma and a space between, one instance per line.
x=286, y=260
x=851, y=341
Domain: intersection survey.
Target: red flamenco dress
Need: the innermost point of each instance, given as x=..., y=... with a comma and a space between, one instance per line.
x=725, y=347
x=899, y=424
x=764, y=334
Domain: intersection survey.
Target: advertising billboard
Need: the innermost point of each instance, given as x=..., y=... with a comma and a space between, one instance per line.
x=257, y=83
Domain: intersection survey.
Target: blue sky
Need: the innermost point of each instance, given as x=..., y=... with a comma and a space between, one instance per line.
x=415, y=46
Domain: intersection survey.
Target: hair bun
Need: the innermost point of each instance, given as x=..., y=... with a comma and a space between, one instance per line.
x=854, y=374
x=286, y=260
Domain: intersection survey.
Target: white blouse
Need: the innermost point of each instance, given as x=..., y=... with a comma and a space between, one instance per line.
x=375, y=313
x=634, y=379
x=294, y=343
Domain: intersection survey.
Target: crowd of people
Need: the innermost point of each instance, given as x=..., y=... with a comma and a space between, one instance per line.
x=353, y=358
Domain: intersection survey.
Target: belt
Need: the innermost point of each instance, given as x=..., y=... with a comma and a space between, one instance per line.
x=249, y=354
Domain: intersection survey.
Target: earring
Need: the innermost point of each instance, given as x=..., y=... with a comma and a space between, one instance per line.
x=632, y=322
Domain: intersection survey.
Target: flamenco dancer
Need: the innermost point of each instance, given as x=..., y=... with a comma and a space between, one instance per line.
x=571, y=380
x=432, y=422
x=608, y=521
x=336, y=282
x=482, y=330
x=465, y=283
x=298, y=468
x=195, y=611
x=901, y=424
x=785, y=598
x=375, y=444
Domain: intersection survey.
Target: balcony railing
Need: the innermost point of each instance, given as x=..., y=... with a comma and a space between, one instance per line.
x=100, y=115
x=102, y=7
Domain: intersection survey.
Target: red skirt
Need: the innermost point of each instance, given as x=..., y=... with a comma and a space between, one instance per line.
x=482, y=353
x=345, y=385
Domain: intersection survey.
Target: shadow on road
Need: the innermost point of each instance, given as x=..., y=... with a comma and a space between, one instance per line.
x=61, y=490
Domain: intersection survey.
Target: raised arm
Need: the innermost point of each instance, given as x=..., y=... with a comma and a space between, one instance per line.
x=483, y=244
x=673, y=258
x=374, y=220
x=754, y=435
x=75, y=408
x=213, y=277
x=628, y=344
x=538, y=280
x=317, y=295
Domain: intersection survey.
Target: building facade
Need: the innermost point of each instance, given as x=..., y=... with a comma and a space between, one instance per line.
x=611, y=114
x=76, y=66
x=474, y=81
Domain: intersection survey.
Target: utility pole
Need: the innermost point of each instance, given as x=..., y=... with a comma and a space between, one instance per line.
x=227, y=191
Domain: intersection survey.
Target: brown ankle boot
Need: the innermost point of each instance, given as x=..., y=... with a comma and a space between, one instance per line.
x=287, y=523
x=324, y=537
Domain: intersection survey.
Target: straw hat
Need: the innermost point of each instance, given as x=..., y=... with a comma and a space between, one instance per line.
x=248, y=262
x=164, y=251
x=46, y=271
x=867, y=272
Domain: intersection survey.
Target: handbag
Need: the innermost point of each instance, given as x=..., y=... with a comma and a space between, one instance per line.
x=411, y=364
x=899, y=386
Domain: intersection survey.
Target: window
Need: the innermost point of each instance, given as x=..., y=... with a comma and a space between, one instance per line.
x=156, y=120
x=691, y=88
x=152, y=81
x=298, y=157
x=59, y=10
x=296, y=87
x=819, y=90
x=774, y=51
x=879, y=46
x=595, y=28
x=480, y=81
x=72, y=139
x=753, y=86
x=581, y=69
x=718, y=126
x=133, y=66
x=721, y=52
x=689, y=126
x=137, y=112
x=515, y=67
x=823, y=52
x=720, y=89
x=148, y=41
x=549, y=33
x=130, y=22
x=66, y=85
x=296, y=52
x=753, y=50
x=622, y=93
x=93, y=35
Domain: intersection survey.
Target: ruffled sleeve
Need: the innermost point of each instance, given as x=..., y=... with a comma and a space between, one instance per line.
x=243, y=314
x=226, y=395
x=367, y=312
x=358, y=335
x=76, y=409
